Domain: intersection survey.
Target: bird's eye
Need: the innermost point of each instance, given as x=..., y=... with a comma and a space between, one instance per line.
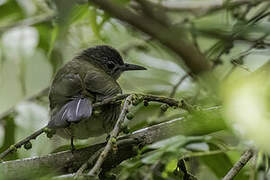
x=110, y=65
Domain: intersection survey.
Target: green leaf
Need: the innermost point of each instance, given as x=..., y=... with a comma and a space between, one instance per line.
x=143, y=115
x=153, y=157
x=176, y=140
x=93, y=22
x=53, y=38
x=220, y=164
x=9, y=136
x=201, y=146
x=11, y=10
x=48, y=34
x=45, y=30
x=78, y=13
x=56, y=60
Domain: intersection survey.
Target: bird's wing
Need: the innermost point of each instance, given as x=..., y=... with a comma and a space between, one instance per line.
x=72, y=112
x=66, y=85
x=67, y=103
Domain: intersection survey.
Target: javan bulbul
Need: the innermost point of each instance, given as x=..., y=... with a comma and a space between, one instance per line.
x=89, y=77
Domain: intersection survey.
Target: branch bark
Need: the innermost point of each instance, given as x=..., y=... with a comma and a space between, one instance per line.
x=201, y=8
x=239, y=165
x=66, y=162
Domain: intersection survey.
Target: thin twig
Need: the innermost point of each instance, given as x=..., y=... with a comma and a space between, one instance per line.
x=207, y=153
x=239, y=165
x=20, y=143
x=89, y=162
x=161, y=99
x=117, y=127
x=141, y=45
x=120, y=143
x=147, y=97
x=95, y=170
x=175, y=87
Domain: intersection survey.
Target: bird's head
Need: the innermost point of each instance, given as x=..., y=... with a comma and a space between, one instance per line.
x=109, y=60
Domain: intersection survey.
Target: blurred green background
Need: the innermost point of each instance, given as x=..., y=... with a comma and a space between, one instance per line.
x=39, y=36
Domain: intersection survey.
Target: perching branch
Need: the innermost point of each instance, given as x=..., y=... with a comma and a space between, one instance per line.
x=239, y=165
x=137, y=99
x=66, y=162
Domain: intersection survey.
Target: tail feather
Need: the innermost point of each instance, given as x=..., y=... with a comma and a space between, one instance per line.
x=72, y=112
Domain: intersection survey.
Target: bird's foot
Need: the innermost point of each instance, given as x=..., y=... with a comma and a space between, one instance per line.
x=72, y=145
x=108, y=137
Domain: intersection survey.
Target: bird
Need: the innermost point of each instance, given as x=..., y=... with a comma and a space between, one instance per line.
x=89, y=77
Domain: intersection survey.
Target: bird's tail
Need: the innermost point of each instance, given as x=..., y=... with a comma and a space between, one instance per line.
x=72, y=112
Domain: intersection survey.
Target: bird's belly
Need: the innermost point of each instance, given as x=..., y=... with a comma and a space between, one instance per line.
x=91, y=127
x=102, y=121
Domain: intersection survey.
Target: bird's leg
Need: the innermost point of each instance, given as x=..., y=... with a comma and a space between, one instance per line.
x=108, y=137
x=72, y=144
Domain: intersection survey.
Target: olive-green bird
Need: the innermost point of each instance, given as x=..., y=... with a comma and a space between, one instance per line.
x=89, y=77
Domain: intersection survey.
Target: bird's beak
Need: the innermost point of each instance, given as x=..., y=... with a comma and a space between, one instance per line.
x=130, y=67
